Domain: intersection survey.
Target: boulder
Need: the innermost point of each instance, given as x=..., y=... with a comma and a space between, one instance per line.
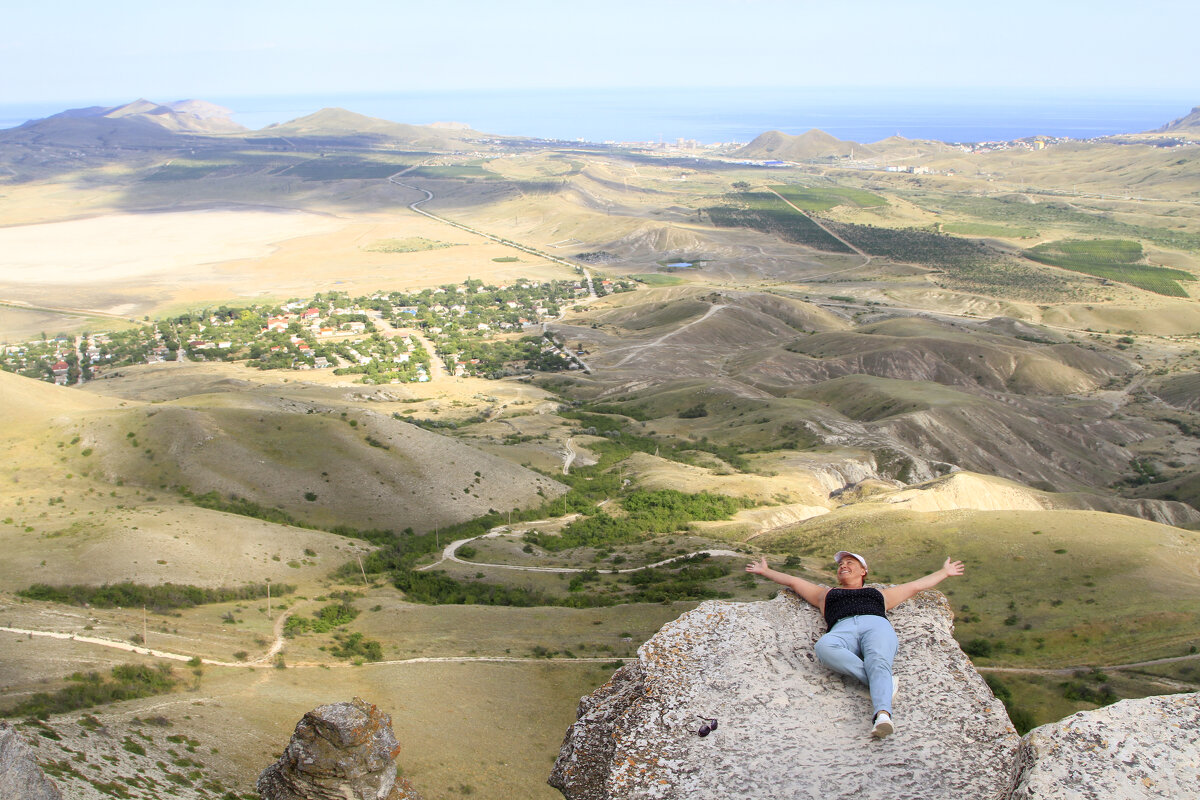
x=341, y=751
x=20, y=776
x=787, y=726
x=1147, y=748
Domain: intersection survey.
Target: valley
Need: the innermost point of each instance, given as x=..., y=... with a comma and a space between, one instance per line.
x=571, y=390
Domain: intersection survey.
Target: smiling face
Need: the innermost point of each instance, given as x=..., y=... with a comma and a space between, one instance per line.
x=850, y=573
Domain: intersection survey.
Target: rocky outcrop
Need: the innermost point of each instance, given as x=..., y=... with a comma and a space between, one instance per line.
x=20, y=776
x=342, y=751
x=1148, y=748
x=787, y=726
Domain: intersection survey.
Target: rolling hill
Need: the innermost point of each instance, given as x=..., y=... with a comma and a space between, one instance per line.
x=141, y=124
x=808, y=145
x=1189, y=123
x=337, y=125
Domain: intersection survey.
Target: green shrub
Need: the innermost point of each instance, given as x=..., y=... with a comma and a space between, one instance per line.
x=162, y=597
x=86, y=690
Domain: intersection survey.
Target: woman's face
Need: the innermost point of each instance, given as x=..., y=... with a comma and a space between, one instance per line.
x=850, y=572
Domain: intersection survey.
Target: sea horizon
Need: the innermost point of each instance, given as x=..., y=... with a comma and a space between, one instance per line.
x=710, y=116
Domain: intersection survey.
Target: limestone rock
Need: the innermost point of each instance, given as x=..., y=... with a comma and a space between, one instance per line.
x=788, y=727
x=20, y=776
x=341, y=751
x=1134, y=749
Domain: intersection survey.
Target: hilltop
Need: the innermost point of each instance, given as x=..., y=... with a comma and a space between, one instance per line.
x=337, y=124
x=141, y=123
x=1188, y=123
x=811, y=144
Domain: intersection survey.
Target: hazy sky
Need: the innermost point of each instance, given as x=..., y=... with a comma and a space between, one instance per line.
x=162, y=49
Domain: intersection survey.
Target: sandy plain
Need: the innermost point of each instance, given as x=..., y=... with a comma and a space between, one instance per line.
x=133, y=265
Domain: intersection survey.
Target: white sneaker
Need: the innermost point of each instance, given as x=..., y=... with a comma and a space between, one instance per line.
x=883, y=725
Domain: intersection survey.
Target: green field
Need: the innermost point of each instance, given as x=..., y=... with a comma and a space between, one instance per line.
x=411, y=244
x=455, y=171
x=186, y=171
x=1017, y=211
x=765, y=212
x=335, y=168
x=1112, y=259
x=986, y=229
x=812, y=198
x=653, y=279
x=967, y=264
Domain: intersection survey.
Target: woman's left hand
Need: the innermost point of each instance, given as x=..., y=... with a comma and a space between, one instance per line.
x=953, y=567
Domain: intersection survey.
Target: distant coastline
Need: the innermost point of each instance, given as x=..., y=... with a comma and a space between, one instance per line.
x=722, y=115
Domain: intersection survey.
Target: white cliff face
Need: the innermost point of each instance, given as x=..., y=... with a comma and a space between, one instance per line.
x=787, y=726
x=1134, y=749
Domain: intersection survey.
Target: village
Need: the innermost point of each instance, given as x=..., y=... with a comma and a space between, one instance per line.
x=478, y=330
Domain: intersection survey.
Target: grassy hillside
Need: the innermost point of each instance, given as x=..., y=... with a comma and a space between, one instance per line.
x=911, y=403
x=321, y=465
x=1044, y=588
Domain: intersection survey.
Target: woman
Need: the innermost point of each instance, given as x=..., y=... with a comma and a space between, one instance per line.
x=860, y=641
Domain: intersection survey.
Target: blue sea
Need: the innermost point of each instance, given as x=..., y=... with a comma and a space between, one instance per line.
x=724, y=115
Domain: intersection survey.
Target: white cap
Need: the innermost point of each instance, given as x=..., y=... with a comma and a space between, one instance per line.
x=837, y=559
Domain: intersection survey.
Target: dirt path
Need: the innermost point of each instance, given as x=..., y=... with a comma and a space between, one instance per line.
x=1071, y=670
x=449, y=554
x=637, y=348
x=464, y=227
x=262, y=663
x=568, y=456
x=814, y=221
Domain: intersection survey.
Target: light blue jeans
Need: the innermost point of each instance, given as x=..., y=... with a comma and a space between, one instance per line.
x=864, y=647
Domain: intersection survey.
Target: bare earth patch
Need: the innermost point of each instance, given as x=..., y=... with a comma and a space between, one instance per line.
x=122, y=247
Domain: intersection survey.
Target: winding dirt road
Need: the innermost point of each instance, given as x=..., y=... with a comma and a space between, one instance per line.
x=449, y=554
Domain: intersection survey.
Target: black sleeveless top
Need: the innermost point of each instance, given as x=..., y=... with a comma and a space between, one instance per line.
x=842, y=603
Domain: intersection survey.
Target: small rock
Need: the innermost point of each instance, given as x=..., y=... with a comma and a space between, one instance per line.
x=341, y=751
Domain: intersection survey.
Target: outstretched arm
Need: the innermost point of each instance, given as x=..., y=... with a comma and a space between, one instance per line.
x=895, y=595
x=810, y=591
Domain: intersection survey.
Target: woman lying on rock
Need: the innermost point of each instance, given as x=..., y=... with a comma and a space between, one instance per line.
x=860, y=641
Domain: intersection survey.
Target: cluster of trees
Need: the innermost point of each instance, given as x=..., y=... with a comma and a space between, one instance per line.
x=658, y=586
x=356, y=646
x=329, y=617
x=647, y=512
x=499, y=358
x=967, y=263
x=621, y=442
x=383, y=366
x=161, y=597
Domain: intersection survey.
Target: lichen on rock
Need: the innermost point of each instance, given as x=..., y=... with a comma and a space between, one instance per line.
x=341, y=751
x=1147, y=748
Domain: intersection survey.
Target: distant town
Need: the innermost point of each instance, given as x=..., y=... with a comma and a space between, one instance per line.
x=476, y=330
